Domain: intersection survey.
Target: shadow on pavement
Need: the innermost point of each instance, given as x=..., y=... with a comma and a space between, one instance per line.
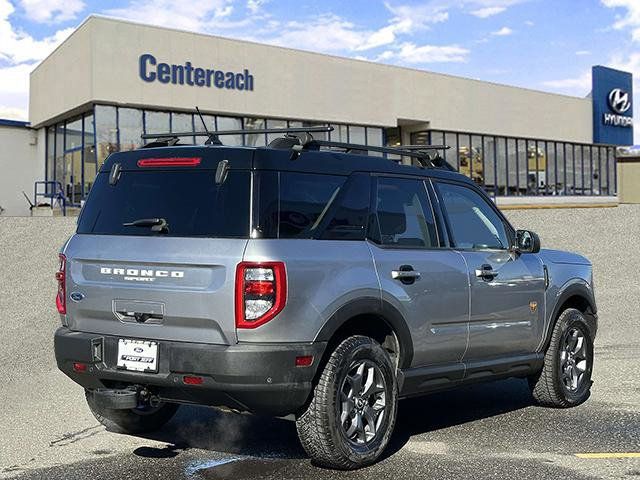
x=264, y=437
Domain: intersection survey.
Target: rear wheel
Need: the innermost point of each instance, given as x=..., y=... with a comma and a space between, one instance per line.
x=565, y=379
x=352, y=413
x=133, y=421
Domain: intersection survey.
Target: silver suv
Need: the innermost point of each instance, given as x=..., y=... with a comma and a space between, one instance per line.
x=313, y=281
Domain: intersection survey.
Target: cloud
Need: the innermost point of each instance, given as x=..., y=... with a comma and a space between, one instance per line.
x=12, y=113
x=52, y=11
x=629, y=61
x=411, y=54
x=630, y=19
x=488, y=11
x=17, y=46
x=254, y=6
x=580, y=85
x=503, y=32
x=582, y=53
x=14, y=91
x=200, y=16
x=529, y=23
x=19, y=54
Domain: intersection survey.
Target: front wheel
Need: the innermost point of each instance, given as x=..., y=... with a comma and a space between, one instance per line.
x=132, y=421
x=565, y=379
x=353, y=410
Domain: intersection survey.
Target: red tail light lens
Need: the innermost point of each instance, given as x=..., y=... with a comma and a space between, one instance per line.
x=61, y=277
x=261, y=292
x=170, y=162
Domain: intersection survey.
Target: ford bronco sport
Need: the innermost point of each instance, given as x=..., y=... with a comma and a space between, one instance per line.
x=310, y=280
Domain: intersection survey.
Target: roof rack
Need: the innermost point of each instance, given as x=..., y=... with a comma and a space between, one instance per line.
x=421, y=155
x=299, y=139
x=213, y=136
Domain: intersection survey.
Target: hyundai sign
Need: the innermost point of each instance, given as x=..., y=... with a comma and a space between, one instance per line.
x=612, y=97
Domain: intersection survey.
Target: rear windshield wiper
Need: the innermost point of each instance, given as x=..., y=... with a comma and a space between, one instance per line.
x=157, y=224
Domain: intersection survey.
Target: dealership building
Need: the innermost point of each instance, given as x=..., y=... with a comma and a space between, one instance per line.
x=113, y=80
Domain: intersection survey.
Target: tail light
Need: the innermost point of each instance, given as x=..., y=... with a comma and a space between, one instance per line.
x=261, y=292
x=61, y=298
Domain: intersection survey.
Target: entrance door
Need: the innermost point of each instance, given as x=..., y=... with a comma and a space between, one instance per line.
x=507, y=288
x=73, y=175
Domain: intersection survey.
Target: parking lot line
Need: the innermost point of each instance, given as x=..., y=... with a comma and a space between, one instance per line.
x=609, y=455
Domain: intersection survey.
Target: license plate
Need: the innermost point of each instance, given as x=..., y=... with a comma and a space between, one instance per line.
x=137, y=355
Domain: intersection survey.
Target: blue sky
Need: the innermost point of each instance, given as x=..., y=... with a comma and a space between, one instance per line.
x=541, y=44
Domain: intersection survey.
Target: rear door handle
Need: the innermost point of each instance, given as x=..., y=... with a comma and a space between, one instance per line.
x=486, y=272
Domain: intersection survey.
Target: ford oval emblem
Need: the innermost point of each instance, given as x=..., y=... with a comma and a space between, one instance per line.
x=76, y=296
x=138, y=349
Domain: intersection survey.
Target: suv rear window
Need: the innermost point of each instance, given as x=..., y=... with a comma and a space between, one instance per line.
x=189, y=200
x=294, y=205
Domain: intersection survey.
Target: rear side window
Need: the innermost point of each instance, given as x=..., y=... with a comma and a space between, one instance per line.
x=189, y=200
x=298, y=205
x=403, y=214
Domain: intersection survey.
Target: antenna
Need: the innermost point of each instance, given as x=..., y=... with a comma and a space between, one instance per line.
x=213, y=138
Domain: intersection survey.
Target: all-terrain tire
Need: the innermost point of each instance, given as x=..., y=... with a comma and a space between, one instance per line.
x=320, y=428
x=133, y=421
x=549, y=387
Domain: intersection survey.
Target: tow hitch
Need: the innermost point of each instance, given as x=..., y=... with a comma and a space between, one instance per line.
x=125, y=398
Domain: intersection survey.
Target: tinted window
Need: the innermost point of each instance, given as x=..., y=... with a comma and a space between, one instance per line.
x=404, y=215
x=473, y=222
x=189, y=200
x=349, y=218
x=294, y=205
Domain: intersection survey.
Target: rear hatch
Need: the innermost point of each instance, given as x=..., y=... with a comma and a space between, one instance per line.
x=169, y=273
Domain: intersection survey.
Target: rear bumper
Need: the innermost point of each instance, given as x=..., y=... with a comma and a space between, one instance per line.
x=260, y=378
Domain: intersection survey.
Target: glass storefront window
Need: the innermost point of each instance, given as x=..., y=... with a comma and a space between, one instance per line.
x=73, y=161
x=317, y=135
x=230, y=123
x=51, y=158
x=340, y=134
x=511, y=164
x=254, y=140
x=464, y=155
x=156, y=122
x=357, y=135
x=275, y=124
x=130, y=128
x=489, y=156
x=183, y=122
x=59, y=169
x=477, y=160
x=375, y=136
x=106, y=132
x=89, y=155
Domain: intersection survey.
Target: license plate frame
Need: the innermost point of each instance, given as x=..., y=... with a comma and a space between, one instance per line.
x=137, y=355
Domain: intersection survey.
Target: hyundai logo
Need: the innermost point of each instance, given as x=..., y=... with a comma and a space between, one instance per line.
x=619, y=100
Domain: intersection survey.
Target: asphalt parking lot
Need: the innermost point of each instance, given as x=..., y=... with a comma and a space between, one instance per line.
x=482, y=432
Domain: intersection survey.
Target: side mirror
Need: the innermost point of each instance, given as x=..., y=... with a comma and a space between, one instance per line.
x=527, y=241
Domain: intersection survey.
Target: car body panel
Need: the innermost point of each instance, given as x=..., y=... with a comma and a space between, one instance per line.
x=435, y=306
x=318, y=284
x=507, y=312
x=110, y=271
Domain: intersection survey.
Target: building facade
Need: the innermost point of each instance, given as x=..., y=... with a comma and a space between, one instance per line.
x=112, y=80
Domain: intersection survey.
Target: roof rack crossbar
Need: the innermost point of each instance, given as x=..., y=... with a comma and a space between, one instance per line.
x=425, y=147
x=422, y=156
x=218, y=133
